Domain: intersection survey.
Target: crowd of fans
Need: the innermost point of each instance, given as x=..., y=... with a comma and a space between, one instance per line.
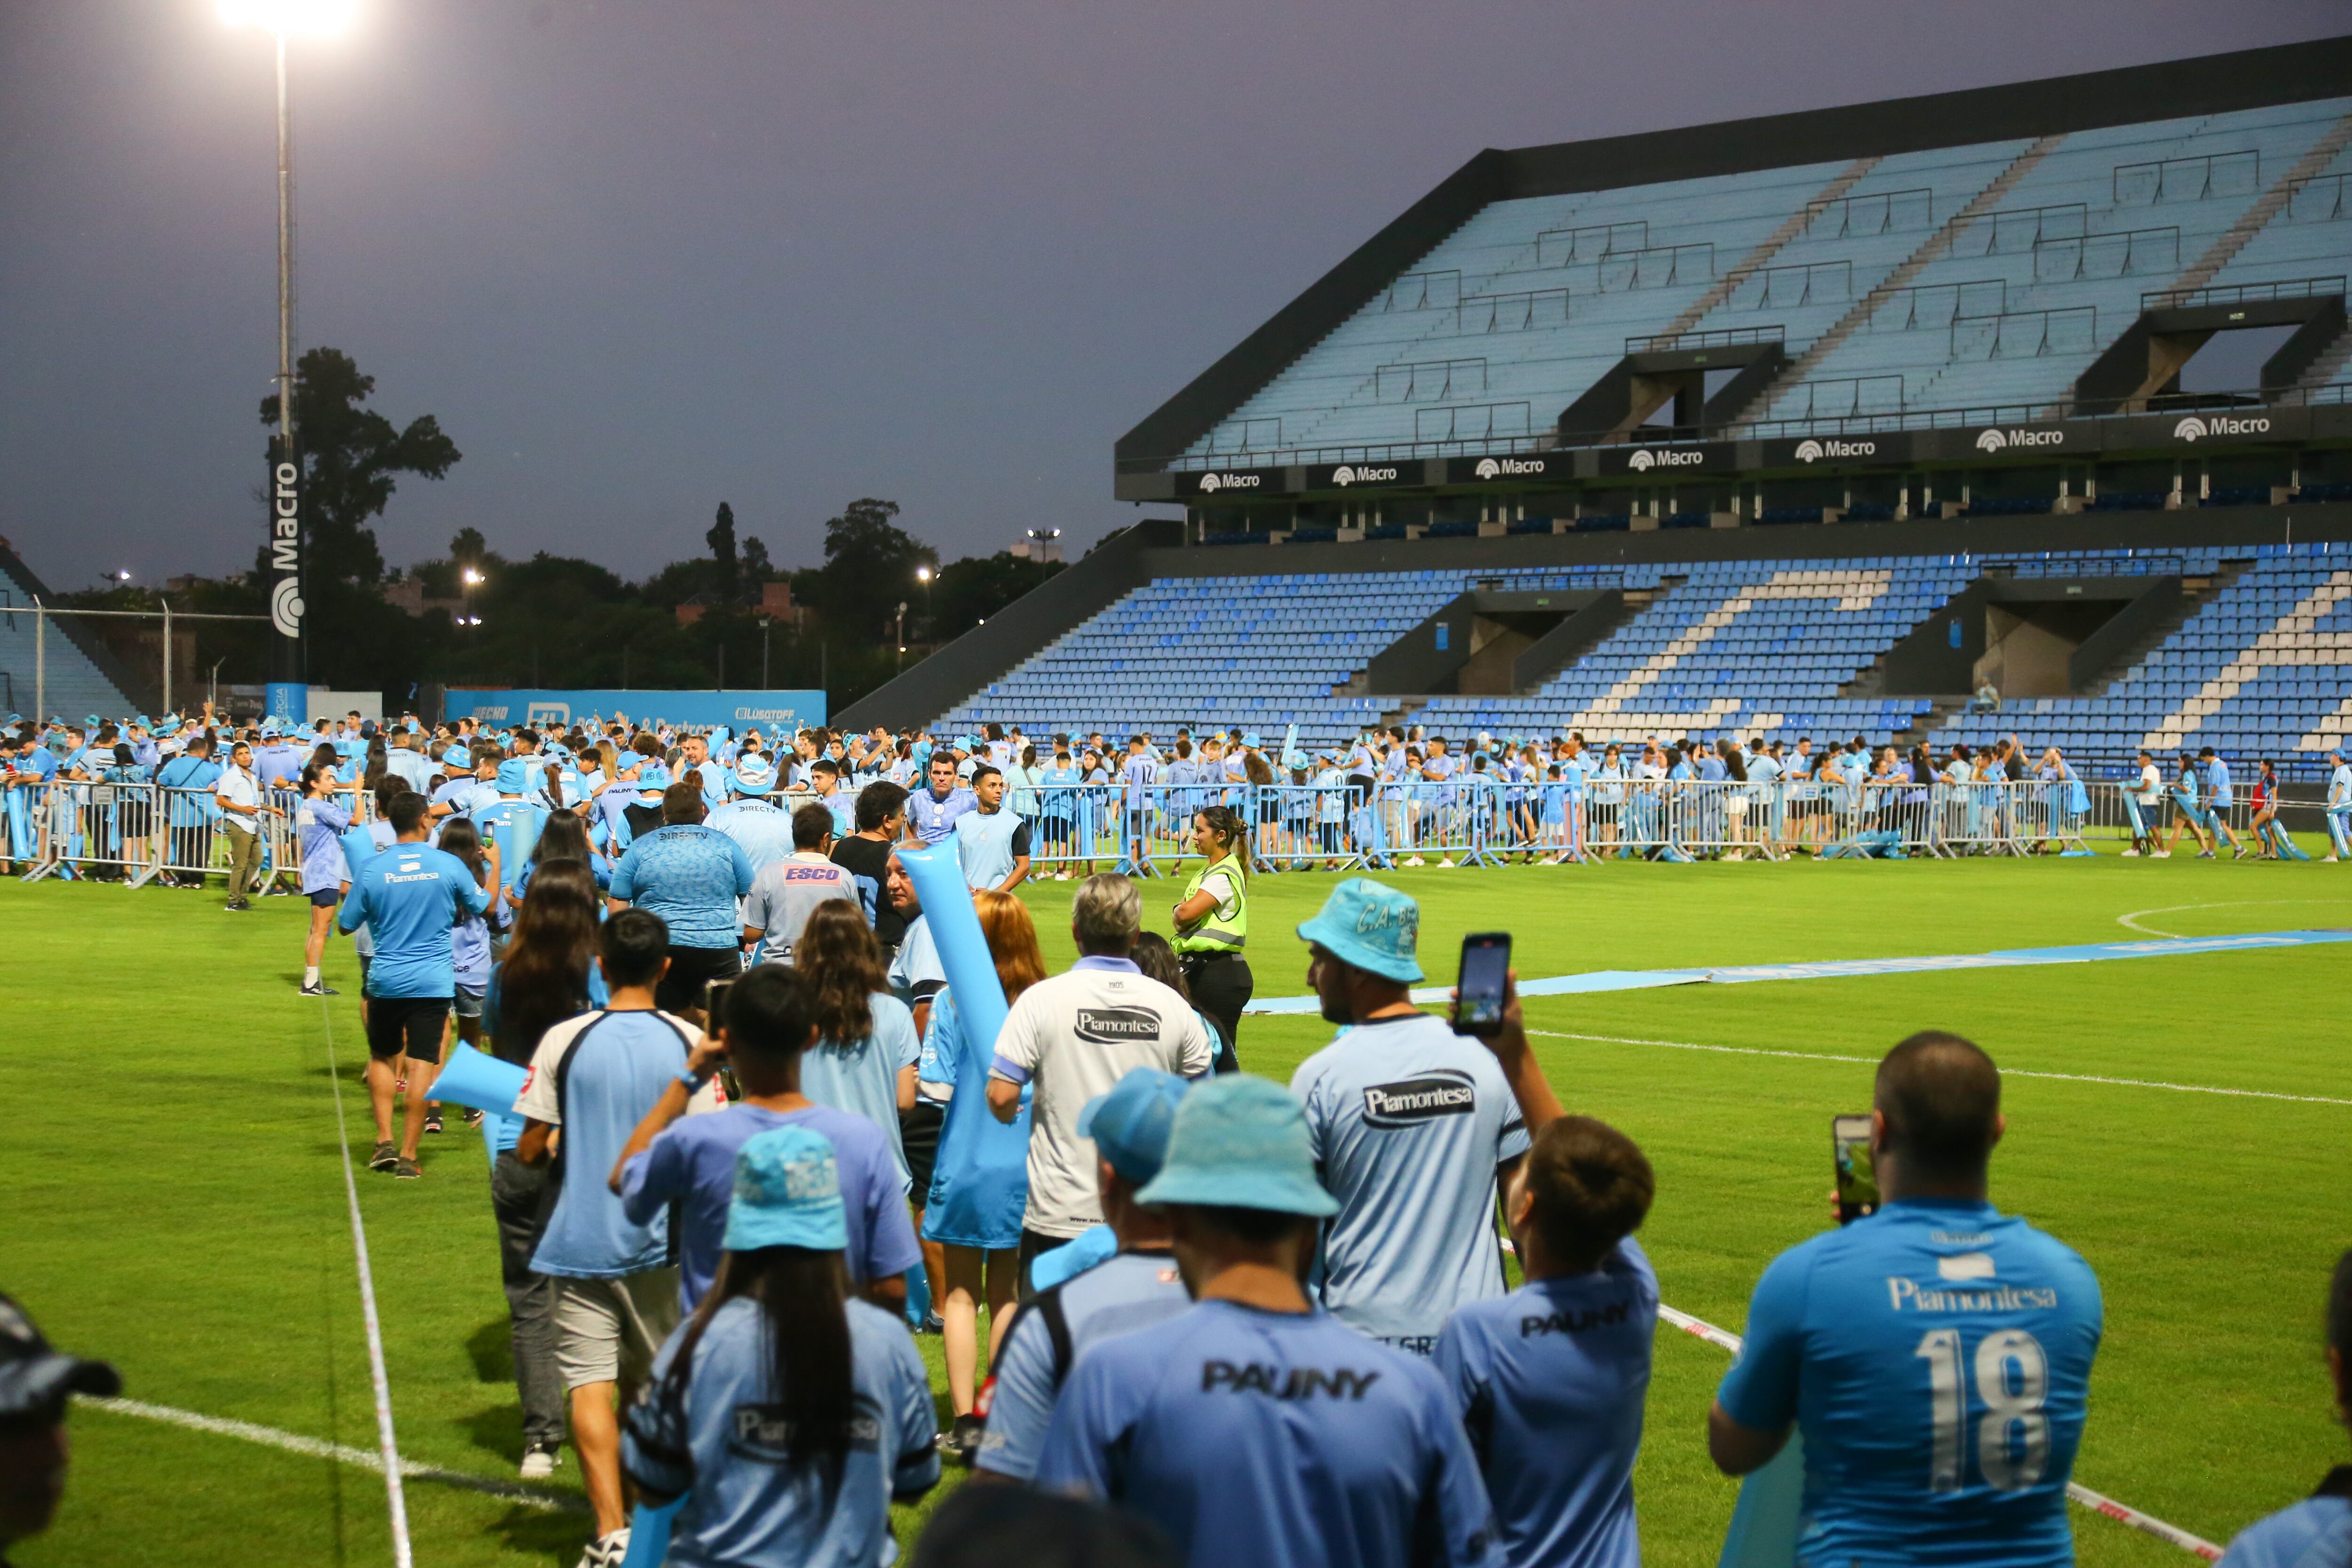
x=1265, y=1324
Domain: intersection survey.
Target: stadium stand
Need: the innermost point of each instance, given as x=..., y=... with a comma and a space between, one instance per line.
x=79, y=677
x=1943, y=352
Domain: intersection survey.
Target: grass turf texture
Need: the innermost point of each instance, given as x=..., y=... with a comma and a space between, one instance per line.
x=176, y=1204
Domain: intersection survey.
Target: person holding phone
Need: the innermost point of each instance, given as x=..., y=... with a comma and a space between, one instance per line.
x=1936, y=1356
x=1413, y=1126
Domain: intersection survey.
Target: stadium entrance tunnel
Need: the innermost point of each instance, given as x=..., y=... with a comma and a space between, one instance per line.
x=2141, y=370
x=1688, y=385
x=1487, y=643
x=2045, y=637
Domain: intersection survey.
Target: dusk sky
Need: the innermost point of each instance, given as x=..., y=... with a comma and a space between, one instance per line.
x=644, y=255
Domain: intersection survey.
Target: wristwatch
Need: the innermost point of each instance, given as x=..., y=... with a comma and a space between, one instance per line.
x=693, y=1084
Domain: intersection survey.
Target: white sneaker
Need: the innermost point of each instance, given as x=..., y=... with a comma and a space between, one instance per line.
x=2160, y=853
x=607, y=1550
x=2131, y=855
x=539, y=1461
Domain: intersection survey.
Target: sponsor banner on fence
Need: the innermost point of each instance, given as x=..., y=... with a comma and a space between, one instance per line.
x=1236, y=482
x=1537, y=468
x=1712, y=459
x=1838, y=451
x=1385, y=474
x=738, y=710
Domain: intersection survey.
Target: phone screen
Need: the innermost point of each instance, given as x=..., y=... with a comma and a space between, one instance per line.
x=1486, y=966
x=1857, y=1183
x=714, y=997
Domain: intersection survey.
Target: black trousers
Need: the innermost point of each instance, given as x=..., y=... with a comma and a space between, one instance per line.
x=1221, y=983
x=522, y=1198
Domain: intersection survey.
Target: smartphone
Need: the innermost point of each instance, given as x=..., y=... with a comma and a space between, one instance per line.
x=714, y=998
x=1857, y=1183
x=1485, y=968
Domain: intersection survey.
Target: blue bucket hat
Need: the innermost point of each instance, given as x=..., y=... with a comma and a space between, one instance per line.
x=1252, y=742
x=1371, y=926
x=787, y=1193
x=514, y=776
x=754, y=776
x=654, y=775
x=457, y=757
x=1130, y=1123
x=1241, y=1141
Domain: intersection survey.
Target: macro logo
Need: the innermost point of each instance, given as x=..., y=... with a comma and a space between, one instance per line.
x=1212, y=483
x=1363, y=473
x=286, y=606
x=1641, y=462
x=1992, y=441
x=2192, y=427
x=1996, y=441
x=1508, y=467
x=1811, y=451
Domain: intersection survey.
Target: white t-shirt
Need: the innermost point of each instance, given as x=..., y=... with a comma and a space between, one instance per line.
x=236, y=788
x=1075, y=1036
x=2151, y=785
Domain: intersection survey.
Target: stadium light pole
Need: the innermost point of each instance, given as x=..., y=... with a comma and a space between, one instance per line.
x=283, y=20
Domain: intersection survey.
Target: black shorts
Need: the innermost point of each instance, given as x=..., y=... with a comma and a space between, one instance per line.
x=406, y=1026
x=918, y=1131
x=692, y=968
x=326, y=899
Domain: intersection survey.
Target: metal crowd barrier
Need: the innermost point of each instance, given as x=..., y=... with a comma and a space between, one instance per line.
x=135, y=833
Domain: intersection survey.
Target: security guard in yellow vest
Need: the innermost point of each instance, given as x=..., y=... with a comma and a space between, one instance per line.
x=1213, y=921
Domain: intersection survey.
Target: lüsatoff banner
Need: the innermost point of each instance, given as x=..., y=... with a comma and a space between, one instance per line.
x=738, y=710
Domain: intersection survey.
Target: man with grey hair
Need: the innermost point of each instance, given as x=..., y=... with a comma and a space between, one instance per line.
x=1074, y=1036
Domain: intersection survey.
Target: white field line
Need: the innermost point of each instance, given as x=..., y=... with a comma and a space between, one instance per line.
x=403, y=1555
x=2005, y=1072
x=341, y=1453
x=2132, y=920
x=2171, y=1534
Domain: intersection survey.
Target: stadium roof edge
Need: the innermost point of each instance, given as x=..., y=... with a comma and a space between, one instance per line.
x=2214, y=84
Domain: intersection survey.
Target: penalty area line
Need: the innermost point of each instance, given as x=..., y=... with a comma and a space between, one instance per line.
x=2005, y=1072
x=341, y=1453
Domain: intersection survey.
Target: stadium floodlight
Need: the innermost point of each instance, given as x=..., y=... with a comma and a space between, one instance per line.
x=289, y=18
x=472, y=576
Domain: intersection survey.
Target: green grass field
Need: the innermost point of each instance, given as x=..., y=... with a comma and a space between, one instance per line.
x=176, y=1202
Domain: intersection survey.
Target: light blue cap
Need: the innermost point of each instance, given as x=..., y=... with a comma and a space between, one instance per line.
x=514, y=776
x=1295, y=760
x=1129, y=1124
x=787, y=1193
x=457, y=757
x=1252, y=741
x=1241, y=1141
x=654, y=775
x=754, y=776
x=1369, y=925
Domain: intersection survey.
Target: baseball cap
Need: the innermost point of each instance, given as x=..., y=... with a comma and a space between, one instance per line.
x=653, y=777
x=34, y=1378
x=1370, y=925
x=1241, y=1141
x=754, y=776
x=787, y=1193
x=514, y=776
x=1252, y=741
x=1129, y=1123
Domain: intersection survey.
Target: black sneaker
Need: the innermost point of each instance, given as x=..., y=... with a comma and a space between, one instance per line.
x=933, y=1325
x=385, y=1158
x=473, y=1119
x=962, y=1440
x=432, y=1122
x=320, y=989
x=236, y=905
x=407, y=1170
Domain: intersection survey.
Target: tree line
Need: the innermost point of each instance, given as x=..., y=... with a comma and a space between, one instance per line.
x=551, y=619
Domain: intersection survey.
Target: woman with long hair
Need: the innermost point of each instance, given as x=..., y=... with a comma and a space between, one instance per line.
x=563, y=836
x=319, y=825
x=549, y=975
x=1212, y=920
x=866, y=1049
x=1735, y=800
x=787, y=1413
x=979, y=1233
x=1159, y=962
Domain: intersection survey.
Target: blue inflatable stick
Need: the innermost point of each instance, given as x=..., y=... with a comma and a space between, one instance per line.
x=649, y=1534
x=478, y=1082
x=1764, y=1526
x=979, y=1181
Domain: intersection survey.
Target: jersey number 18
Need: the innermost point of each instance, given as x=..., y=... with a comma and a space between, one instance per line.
x=2007, y=1410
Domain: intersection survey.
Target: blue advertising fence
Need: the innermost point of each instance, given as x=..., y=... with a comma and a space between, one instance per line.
x=738, y=710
